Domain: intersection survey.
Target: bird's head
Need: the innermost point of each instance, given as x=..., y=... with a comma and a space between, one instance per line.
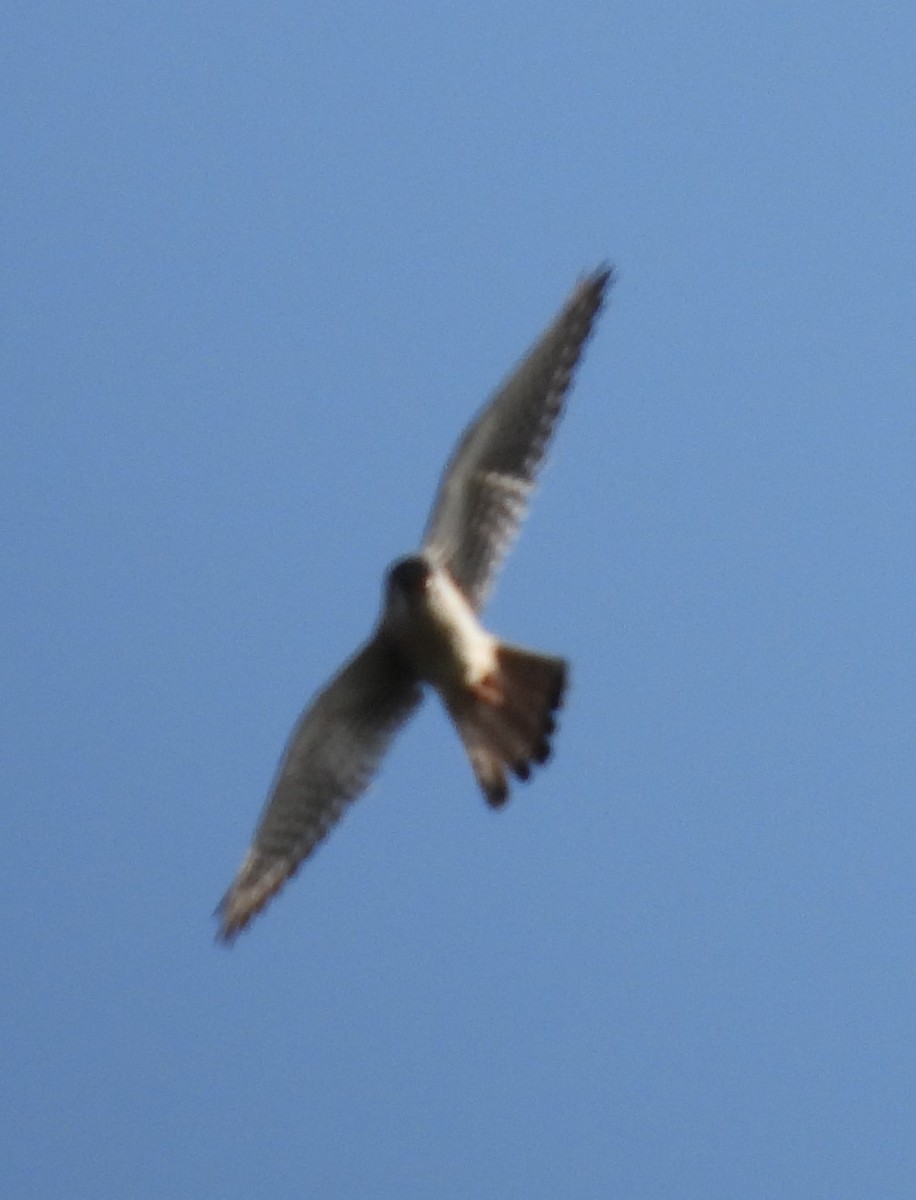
x=406, y=591
x=407, y=580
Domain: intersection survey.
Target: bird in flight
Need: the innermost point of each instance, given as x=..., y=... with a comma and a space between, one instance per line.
x=501, y=698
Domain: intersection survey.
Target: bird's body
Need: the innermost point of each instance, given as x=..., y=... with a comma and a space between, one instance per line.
x=501, y=697
x=435, y=628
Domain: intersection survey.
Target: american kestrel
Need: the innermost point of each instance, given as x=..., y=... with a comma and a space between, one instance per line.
x=500, y=697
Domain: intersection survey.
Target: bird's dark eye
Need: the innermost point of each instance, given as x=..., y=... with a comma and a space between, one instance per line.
x=409, y=575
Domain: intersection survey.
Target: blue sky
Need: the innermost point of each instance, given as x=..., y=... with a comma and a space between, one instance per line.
x=262, y=263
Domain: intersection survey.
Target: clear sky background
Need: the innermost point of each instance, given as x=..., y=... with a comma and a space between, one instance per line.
x=261, y=265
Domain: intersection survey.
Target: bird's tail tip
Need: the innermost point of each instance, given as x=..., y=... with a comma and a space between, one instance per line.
x=506, y=721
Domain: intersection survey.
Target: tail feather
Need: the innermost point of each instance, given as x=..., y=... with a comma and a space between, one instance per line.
x=506, y=722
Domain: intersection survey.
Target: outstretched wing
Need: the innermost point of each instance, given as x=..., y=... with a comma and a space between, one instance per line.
x=331, y=757
x=485, y=488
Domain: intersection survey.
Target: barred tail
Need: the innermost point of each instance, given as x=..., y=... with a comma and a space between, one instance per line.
x=506, y=721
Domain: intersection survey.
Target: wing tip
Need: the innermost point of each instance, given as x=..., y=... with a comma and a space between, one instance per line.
x=247, y=897
x=234, y=916
x=599, y=282
x=587, y=301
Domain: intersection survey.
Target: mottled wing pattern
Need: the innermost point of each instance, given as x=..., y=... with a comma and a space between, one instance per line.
x=485, y=488
x=331, y=757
